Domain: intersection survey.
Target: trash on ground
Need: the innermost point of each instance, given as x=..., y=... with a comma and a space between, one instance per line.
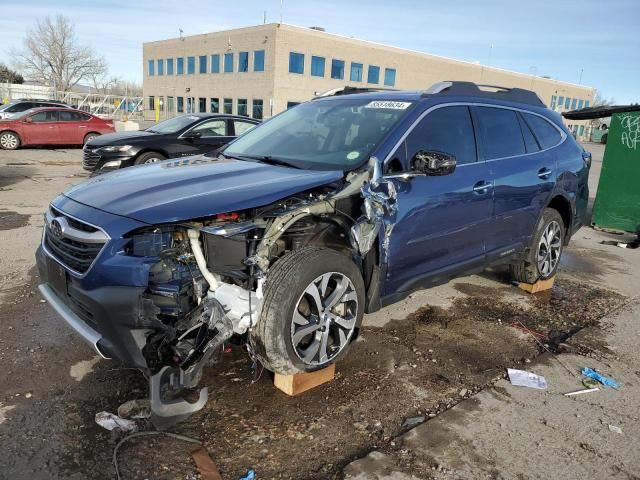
x=633, y=244
x=521, y=378
x=135, y=409
x=251, y=475
x=615, y=429
x=580, y=392
x=590, y=383
x=206, y=467
x=591, y=373
x=111, y=421
x=413, y=421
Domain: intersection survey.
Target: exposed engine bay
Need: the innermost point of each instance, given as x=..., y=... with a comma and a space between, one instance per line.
x=207, y=285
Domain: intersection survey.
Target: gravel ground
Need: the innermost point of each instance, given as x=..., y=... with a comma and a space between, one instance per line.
x=418, y=358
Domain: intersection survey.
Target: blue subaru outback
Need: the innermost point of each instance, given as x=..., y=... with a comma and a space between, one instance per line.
x=332, y=209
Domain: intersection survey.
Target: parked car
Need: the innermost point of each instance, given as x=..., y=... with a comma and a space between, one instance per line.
x=177, y=137
x=327, y=211
x=51, y=126
x=10, y=109
x=600, y=134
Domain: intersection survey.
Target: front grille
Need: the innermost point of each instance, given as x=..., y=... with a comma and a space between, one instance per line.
x=69, y=247
x=90, y=159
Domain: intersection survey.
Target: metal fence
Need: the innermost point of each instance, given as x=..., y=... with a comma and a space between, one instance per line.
x=116, y=107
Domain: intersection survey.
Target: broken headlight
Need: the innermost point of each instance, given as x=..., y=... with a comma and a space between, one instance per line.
x=151, y=242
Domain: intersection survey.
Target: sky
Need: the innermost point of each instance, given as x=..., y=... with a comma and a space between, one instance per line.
x=592, y=42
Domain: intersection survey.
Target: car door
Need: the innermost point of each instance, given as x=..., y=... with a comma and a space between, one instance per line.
x=522, y=173
x=41, y=128
x=441, y=223
x=241, y=126
x=71, y=127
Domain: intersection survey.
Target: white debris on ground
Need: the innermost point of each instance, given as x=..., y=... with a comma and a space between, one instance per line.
x=83, y=368
x=3, y=410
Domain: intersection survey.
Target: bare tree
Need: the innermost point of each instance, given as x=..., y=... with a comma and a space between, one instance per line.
x=600, y=100
x=9, y=76
x=51, y=54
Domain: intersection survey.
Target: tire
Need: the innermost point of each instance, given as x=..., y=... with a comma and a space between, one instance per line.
x=9, y=140
x=89, y=136
x=286, y=344
x=149, y=157
x=546, y=243
x=603, y=139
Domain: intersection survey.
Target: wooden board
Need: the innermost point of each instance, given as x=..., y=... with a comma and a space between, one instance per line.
x=539, y=286
x=301, y=382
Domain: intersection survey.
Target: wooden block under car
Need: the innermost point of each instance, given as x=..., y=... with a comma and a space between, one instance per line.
x=539, y=286
x=301, y=382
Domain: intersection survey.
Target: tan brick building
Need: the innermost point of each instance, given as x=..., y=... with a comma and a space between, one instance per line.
x=260, y=71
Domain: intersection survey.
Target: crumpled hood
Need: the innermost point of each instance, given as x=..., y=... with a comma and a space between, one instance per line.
x=194, y=187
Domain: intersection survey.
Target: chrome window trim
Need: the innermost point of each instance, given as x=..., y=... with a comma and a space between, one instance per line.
x=563, y=135
x=53, y=257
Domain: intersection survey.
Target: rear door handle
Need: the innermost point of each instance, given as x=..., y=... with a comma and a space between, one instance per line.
x=544, y=173
x=482, y=187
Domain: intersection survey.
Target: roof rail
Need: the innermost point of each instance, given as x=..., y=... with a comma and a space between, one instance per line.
x=471, y=89
x=347, y=90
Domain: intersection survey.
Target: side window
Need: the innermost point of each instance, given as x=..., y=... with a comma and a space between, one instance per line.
x=500, y=132
x=50, y=116
x=448, y=130
x=212, y=128
x=69, y=116
x=84, y=117
x=530, y=141
x=547, y=135
x=241, y=127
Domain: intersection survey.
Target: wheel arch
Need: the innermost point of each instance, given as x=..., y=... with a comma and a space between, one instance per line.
x=563, y=206
x=14, y=132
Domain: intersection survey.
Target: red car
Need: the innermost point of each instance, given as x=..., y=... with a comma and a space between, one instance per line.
x=51, y=126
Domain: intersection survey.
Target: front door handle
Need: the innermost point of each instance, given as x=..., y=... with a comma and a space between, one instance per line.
x=482, y=187
x=544, y=173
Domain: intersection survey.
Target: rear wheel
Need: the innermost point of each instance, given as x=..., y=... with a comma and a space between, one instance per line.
x=313, y=303
x=542, y=259
x=149, y=157
x=603, y=140
x=9, y=140
x=90, y=136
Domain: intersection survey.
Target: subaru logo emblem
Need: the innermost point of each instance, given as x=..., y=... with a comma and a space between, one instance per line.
x=56, y=228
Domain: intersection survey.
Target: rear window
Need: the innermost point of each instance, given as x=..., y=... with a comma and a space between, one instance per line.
x=500, y=132
x=547, y=135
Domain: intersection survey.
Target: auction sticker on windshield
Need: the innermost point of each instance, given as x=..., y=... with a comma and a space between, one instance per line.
x=388, y=105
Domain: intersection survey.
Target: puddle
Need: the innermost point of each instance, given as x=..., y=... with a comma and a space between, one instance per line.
x=10, y=220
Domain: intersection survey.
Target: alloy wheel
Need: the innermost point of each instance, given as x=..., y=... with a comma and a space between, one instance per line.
x=324, y=318
x=8, y=141
x=151, y=160
x=549, y=249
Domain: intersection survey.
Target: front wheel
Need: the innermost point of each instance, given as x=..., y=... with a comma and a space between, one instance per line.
x=9, y=140
x=90, y=136
x=542, y=259
x=149, y=157
x=314, y=301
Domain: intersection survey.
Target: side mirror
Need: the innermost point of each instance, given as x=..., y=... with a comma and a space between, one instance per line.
x=192, y=134
x=433, y=163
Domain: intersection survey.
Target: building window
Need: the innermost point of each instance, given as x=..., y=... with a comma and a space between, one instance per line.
x=170, y=104
x=160, y=66
x=243, y=61
x=152, y=103
x=390, y=77
x=169, y=66
x=292, y=104
x=202, y=105
x=356, y=72
x=228, y=63
x=580, y=104
x=567, y=102
x=214, y=105
x=560, y=102
x=180, y=65
x=586, y=104
x=215, y=63
x=258, y=61
x=337, y=69
x=228, y=106
x=191, y=65
x=257, y=109
x=296, y=62
x=242, y=107
x=373, y=76
x=202, y=62
x=553, y=102
x=574, y=103
x=317, y=66
x=180, y=104
x=150, y=68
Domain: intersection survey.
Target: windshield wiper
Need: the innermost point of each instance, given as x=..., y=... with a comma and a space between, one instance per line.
x=264, y=159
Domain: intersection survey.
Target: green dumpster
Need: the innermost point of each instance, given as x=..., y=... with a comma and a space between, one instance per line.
x=617, y=204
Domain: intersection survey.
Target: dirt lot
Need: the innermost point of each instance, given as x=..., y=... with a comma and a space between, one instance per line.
x=417, y=358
